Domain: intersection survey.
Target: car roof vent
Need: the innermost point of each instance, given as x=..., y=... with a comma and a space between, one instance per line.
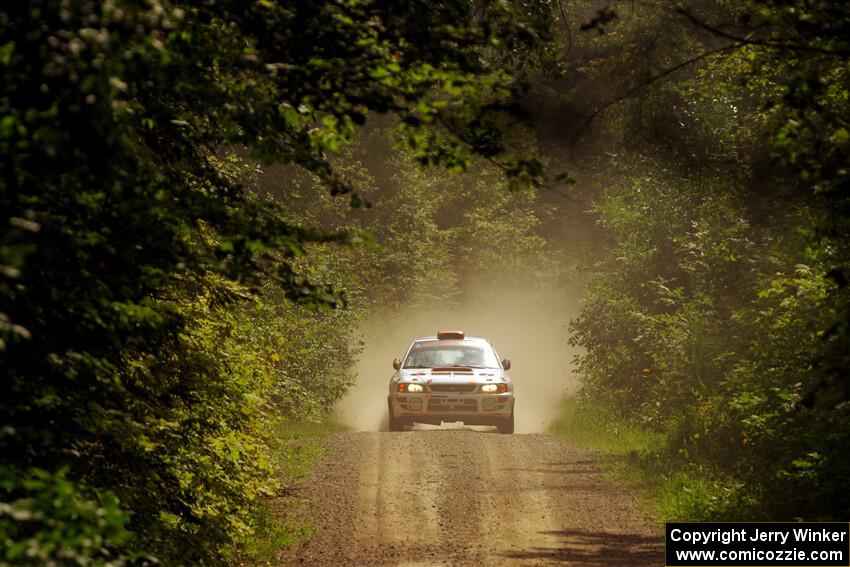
x=449, y=334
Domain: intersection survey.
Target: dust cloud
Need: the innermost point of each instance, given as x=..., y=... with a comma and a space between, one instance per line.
x=527, y=327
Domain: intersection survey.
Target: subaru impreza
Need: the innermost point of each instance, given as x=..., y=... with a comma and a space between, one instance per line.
x=448, y=378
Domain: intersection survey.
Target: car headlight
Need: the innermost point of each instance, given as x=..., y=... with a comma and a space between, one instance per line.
x=500, y=388
x=412, y=388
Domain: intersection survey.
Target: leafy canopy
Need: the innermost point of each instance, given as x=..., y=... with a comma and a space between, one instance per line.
x=121, y=212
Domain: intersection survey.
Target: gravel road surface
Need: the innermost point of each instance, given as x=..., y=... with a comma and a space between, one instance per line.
x=468, y=498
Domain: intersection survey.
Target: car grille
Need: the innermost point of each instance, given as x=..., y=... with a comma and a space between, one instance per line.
x=448, y=404
x=410, y=404
x=453, y=387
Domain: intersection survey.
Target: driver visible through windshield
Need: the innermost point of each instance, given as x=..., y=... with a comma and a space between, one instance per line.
x=435, y=353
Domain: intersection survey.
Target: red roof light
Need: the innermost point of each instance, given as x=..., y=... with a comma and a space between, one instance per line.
x=449, y=334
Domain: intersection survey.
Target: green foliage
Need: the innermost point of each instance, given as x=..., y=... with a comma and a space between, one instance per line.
x=719, y=316
x=595, y=425
x=152, y=307
x=442, y=235
x=295, y=448
x=46, y=520
x=675, y=487
x=697, y=329
x=430, y=236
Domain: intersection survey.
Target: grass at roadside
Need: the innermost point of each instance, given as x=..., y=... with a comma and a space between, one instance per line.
x=671, y=486
x=299, y=445
x=297, y=448
x=596, y=427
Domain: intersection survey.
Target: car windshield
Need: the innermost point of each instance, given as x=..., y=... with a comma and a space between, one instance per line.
x=430, y=354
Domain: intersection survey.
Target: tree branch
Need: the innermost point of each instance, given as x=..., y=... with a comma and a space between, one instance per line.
x=648, y=82
x=463, y=139
x=566, y=27
x=761, y=42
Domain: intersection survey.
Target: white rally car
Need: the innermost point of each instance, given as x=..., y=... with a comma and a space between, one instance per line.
x=451, y=377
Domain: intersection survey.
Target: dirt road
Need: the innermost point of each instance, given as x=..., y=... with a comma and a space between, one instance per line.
x=464, y=498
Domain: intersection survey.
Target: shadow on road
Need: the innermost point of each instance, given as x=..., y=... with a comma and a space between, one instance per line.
x=596, y=548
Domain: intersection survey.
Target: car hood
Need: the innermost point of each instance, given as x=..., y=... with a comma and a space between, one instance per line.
x=453, y=375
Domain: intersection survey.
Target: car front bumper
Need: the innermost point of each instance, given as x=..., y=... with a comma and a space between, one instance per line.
x=467, y=407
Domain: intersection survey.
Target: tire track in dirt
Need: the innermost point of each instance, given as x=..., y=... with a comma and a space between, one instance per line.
x=463, y=498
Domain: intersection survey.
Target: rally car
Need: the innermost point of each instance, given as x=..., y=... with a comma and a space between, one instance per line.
x=451, y=377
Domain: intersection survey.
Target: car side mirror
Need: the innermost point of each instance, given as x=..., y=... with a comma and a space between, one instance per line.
x=396, y=364
x=506, y=364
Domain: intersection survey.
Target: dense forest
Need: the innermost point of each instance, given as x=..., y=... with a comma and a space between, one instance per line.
x=203, y=202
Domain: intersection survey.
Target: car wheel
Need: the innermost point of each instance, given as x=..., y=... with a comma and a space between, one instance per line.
x=396, y=423
x=507, y=426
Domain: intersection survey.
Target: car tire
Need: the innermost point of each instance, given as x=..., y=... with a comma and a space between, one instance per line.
x=396, y=423
x=506, y=427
